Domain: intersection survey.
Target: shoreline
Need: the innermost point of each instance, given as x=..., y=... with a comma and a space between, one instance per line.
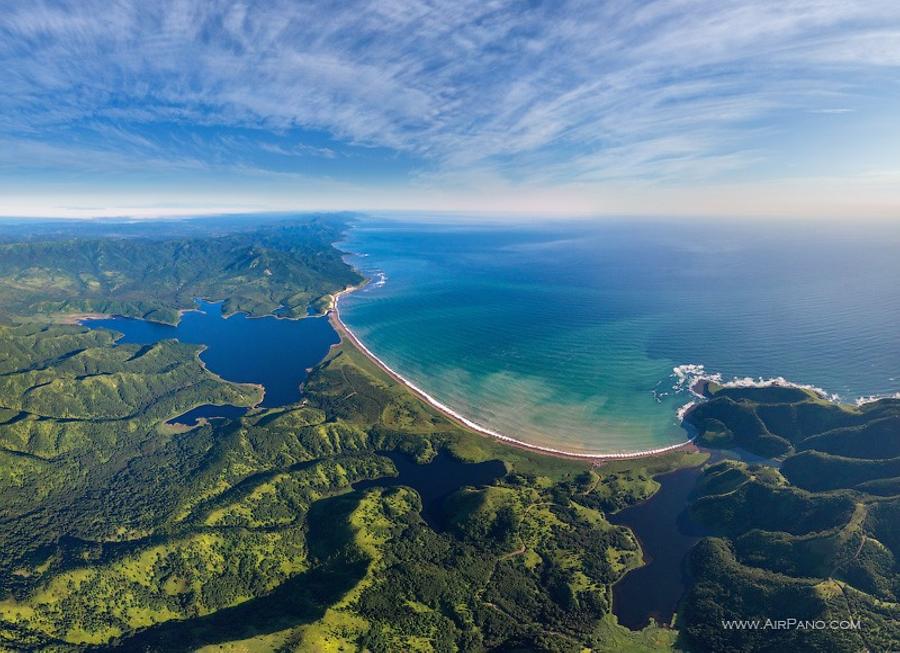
x=345, y=332
x=83, y=317
x=75, y=319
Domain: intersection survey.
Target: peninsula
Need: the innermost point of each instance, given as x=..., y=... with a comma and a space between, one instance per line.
x=123, y=530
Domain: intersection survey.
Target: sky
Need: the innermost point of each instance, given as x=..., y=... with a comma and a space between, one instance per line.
x=667, y=107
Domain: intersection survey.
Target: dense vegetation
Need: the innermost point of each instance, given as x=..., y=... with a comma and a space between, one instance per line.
x=172, y=528
x=814, y=540
x=289, y=266
x=118, y=530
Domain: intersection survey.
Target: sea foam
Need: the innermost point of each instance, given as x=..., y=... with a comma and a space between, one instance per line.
x=475, y=426
x=871, y=399
x=690, y=376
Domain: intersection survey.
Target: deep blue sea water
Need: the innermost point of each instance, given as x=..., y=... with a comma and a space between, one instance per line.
x=268, y=350
x=567, y=334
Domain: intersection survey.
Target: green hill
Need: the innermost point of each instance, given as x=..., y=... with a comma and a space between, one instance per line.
x=119, y=531
x=815, y=540
x=288, y=265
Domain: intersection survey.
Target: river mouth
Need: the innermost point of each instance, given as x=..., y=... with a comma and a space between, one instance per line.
x=273, y=352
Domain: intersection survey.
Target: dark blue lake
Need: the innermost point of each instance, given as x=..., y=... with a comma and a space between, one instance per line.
x=273, y=352
x=666, y=535
x=208, y=411
x=436, y=481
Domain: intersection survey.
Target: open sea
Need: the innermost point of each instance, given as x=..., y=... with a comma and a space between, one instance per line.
x=567, y=334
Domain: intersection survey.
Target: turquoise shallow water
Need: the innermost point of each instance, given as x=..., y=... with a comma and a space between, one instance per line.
x=566, y=335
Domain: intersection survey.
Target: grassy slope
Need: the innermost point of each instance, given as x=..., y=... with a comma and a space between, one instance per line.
x=246, y=534
x=816, y=540
x=290, y=265
x=243, y=499
x=511, y=546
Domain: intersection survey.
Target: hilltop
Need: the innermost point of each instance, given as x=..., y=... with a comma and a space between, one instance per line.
x=813, y=539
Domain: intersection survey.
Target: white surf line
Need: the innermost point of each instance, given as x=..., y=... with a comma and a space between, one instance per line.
x=688, y=375
x=474, y=425
x=871, y=399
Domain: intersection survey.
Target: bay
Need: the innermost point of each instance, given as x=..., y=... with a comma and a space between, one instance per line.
x=566, y=334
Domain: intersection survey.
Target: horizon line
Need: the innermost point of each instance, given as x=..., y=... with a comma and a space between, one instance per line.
x=141, y=214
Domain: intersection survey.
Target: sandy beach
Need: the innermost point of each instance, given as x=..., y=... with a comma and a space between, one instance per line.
x=462, y=420
x=77, y=318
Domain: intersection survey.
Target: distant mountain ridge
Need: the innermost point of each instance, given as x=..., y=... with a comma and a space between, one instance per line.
x=291, y=266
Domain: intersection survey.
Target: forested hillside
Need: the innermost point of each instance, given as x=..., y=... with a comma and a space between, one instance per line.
x=119, y=530
x=289, y=266
x=816, y=540
x=115, y=523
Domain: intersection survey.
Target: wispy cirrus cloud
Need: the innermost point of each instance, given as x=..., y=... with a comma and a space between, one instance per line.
x=569, y=91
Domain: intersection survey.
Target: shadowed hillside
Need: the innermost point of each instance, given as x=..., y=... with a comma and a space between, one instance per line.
x=119, y=531
x=815, y=540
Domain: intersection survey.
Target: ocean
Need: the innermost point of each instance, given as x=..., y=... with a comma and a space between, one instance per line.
x=568, y=335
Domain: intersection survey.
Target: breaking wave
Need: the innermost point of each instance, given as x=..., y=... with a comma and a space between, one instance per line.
x=688, y=378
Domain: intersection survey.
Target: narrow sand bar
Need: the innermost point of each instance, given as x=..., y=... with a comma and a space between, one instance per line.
x=462, y=420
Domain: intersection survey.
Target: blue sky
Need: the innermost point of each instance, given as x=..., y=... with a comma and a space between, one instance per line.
x=788, y=107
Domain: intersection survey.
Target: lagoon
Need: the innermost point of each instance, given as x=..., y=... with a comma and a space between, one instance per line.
x=207, y=412
x=274, y=352
x=666, y=535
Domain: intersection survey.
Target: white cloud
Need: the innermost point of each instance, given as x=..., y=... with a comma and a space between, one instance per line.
x=545, y=92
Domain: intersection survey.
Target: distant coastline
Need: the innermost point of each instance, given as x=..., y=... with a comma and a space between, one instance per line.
x=345, y=332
